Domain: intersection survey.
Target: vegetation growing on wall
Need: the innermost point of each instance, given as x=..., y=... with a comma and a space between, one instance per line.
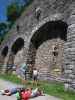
x=13, y=12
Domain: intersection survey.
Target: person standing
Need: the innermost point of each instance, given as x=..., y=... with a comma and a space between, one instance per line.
x=35, y=76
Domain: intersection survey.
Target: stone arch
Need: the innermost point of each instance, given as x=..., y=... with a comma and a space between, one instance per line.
x=55, y=30
x=53, y=17
x=17, y=45
x=4, y=51
x=15, y=48
x=3, y=55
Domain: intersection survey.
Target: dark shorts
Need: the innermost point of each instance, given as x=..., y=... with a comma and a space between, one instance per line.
x=35, y=78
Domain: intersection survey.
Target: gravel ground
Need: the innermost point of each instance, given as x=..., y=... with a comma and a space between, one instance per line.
x=6, y=84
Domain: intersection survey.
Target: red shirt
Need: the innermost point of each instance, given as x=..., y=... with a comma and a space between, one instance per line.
x=25, y=95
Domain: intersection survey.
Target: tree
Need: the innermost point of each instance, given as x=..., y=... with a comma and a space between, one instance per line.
x=3, y=28
x=27, y=2
x=13, y=12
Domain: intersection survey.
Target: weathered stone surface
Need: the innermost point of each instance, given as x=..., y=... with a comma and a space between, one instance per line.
x=43, y=57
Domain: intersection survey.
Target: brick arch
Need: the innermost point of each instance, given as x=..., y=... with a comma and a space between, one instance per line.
x=4, y=51
x=17, y=45
x=50, y=30
x=4, y=54
x=53, y=17
x=42, y=35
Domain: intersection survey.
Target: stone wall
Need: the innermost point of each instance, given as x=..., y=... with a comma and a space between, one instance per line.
x=50, y=10
x=46, y=62
x=69, y=54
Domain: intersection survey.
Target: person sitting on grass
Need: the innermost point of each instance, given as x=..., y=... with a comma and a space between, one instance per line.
x=11, y=91
x=18, y=94
x=36, y=92
x=25, y=94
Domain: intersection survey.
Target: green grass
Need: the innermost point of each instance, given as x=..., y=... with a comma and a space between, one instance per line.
x=12, y=78
x=57, y=89
x=51, y=88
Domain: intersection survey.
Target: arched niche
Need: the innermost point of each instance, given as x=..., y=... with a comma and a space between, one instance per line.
x=50, y=30
x=4, y=51
x=16, y=47
x=3, y=55
x=56, y=31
